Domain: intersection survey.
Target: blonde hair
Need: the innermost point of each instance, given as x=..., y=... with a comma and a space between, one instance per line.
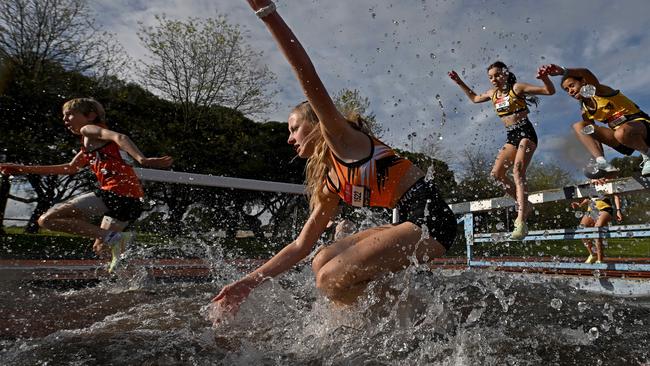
x=319, y=163
x=86, y=106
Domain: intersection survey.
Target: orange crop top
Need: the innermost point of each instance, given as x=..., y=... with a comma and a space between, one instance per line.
x=112, y=172
x=372, y=181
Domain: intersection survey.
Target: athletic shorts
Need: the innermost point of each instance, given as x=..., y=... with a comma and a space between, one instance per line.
x=609, y=210
x=106, y=203
x=423, y=205
x=523, y=129
x=626, y=150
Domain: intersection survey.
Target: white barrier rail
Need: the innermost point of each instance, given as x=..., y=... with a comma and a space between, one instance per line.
x=625, y=185
x=167, y=176
x=467, y=210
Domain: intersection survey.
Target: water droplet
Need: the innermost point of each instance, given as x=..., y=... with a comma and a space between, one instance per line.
x=588, y=91
x=556, y=304
x=588, y=129
x=592, y=334
x=582, y=306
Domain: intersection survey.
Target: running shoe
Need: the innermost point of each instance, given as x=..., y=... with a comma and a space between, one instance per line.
x=591, y=259
x=645, y=165
x=601, y=170
x=117, y=241
x=520, y=231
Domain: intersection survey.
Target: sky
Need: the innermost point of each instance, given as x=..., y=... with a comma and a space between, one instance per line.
x=398, y=53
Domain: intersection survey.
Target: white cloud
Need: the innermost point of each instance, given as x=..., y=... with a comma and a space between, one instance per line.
x=397, y=53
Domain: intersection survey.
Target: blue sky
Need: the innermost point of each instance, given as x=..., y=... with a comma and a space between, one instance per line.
x=398, y=53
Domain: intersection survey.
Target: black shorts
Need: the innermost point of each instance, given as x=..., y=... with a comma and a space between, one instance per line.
x=626, y=150
x=609, y=210
x=423, y=205
x=523, y=129
x=126, y=209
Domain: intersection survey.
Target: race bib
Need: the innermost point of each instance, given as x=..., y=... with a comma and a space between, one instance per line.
x=357, y=196
x=616, y=120
x=502, y=103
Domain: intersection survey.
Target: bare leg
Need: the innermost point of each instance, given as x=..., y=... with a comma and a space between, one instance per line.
x=603, y=219
x=71, y=219
x=110, y=224
x=632, y=134
x=503, y=162
x=593, y=142
x=344, y=276
x=524, y=155
x=587, y=221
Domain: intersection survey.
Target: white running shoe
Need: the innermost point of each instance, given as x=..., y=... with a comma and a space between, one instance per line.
x=645, y=165
x=600, y=170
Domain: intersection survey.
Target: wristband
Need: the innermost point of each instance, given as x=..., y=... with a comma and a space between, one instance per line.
x=265, y=11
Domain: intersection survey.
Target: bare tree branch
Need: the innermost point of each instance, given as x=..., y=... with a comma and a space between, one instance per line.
x=205, y=62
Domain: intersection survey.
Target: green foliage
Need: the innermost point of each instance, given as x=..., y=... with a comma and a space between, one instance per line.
x=350, y=102
x=218, y=68
x=439, y=171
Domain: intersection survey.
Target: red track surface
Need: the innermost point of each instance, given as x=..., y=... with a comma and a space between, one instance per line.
x=75, y=270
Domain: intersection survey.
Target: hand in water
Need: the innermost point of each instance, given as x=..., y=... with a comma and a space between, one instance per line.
x=226, y=304
x=160, y=163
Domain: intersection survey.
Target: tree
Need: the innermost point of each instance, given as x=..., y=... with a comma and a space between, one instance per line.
x=205, y=62
x=349, y=101
x=36, y=32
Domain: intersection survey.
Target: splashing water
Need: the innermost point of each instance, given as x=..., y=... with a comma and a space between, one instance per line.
x=417, y=316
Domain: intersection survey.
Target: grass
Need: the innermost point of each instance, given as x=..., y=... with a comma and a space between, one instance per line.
x=57, y=245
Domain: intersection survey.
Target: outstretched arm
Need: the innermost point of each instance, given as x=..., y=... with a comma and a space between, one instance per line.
x=547, y=89
x=125, y=143
x=469, y=92
x=333, y=124
x=619, y=209
x=577, y=73
x=231, y=296
x=61, y=169
x=576, y=204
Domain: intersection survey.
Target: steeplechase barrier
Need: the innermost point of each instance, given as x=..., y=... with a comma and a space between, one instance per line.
x=467, y=210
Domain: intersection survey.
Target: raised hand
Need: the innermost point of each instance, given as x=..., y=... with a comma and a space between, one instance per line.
x=551, y=70
x=454, y=76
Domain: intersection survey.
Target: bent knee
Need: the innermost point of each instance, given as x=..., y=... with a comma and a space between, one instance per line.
x=498, y=174
x=577, y=127
x=44, y=220
x=323, y=278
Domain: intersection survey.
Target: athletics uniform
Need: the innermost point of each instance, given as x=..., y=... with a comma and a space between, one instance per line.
x=615, y=110
x=120, y=193
x=509, y=104
x=602, y=205
x=373, y=182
